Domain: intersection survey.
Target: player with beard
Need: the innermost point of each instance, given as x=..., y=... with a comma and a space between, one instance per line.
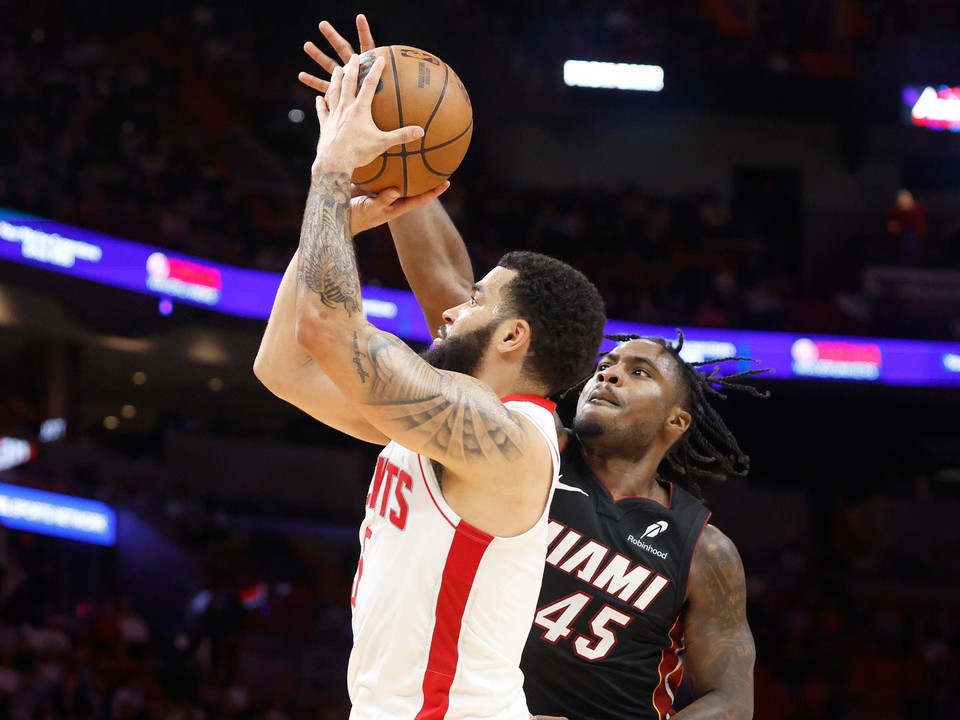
x=455, y=532
x=639, y=590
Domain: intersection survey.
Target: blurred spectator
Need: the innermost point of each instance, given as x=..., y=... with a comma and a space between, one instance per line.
x=907, y=229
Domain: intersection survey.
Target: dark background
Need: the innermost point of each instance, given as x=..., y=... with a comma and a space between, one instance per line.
x=753, y=192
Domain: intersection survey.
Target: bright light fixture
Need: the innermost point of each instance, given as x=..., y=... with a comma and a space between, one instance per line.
x=615, y=76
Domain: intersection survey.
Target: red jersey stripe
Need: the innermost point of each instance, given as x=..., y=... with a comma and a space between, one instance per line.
x=535, y=399
x=463, y=559
x=671, y=672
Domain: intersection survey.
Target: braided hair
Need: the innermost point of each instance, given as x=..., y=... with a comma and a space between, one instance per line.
x=708, y=450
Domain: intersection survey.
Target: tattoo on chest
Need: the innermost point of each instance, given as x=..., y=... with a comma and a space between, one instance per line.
x=327, y=264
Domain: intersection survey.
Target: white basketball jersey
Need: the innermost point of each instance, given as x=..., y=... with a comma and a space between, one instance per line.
x=441, y=610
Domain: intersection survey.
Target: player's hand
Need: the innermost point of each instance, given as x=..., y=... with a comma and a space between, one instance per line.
x=369, y=211
x=348, y=136
x=341, y=46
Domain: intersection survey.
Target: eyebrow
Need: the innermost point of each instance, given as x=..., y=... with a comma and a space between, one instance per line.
x=636, y=359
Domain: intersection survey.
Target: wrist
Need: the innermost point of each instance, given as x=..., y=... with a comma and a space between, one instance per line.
x=329, y=161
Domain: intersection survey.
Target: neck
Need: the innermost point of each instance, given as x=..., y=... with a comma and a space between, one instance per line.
x=506, y=381
x=626, y=476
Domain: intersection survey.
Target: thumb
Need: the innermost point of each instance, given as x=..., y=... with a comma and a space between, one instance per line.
x=410, y=133
x=388, y=196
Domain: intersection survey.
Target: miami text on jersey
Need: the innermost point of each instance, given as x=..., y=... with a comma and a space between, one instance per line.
x=598, y=565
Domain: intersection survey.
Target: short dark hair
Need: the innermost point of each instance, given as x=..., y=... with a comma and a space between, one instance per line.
x=565, y=312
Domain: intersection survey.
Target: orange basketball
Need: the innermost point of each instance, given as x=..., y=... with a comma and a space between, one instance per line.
x=416, y=88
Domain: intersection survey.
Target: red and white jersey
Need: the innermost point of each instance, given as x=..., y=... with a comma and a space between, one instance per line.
x=441, y=610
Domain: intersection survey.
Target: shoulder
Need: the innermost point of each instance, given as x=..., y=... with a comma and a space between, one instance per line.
x=715, y=548
x=716, y=565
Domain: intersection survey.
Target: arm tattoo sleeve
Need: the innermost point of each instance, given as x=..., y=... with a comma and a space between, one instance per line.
x=327, y=264
x=425, y=401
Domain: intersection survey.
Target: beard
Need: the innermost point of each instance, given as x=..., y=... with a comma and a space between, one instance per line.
x=461, y=353
x=584, y=428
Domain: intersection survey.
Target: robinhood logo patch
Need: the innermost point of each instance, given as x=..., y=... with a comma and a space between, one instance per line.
x=655, y=529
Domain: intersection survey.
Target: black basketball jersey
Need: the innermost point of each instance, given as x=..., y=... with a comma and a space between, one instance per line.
x=607, y=640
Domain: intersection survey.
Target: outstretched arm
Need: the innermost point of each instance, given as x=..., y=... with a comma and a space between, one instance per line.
x=719, y=645
x=431, y=251
x=282, y=365
x=451, y=418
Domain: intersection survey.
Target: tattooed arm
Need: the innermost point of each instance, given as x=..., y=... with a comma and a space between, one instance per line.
x=452, y=418
x=431, y=251
x=290, y=373
x=719, y=645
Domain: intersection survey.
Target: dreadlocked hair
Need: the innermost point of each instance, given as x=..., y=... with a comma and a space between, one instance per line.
x=708, y=450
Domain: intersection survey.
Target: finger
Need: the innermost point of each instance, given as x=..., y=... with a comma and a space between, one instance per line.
x=415, y=201
x=387, y=197
x=402, y=206
x=363, y=32
x=348, y=88
x=313, y=82
x=320, y=57
x=369, y=87
x=336, y=85
x=322, y=110
x=340, y=44
x=410, y=133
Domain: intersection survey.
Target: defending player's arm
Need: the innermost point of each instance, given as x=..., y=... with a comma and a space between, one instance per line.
x=452, y=418
x=719, y=645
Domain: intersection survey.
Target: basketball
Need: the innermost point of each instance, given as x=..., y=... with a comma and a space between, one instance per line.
x=416, y=88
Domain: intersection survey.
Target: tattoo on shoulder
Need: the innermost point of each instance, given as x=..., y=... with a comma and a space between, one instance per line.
x=719, y=642
x=327, y=263
x=428, y=401
x=725, y=581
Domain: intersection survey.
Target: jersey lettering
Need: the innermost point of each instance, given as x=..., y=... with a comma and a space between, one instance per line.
x=557, y=620
x=606, y=639
x=388, y=493
x=367, y=534
x=617, y=580
x=587, y=559
x=635, y=584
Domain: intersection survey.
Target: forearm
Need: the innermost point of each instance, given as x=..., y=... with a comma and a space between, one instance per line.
x=434, y=259
x=327, y=279
x=718, y=706
x=279, y=356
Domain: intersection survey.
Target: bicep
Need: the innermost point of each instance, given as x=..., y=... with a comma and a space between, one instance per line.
x=720, y=650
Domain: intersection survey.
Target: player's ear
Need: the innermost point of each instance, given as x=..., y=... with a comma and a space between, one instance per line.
x=514, y=335
x=678, y=423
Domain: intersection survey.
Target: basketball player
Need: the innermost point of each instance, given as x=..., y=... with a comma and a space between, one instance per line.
x=639, y=590
x=455, y=532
